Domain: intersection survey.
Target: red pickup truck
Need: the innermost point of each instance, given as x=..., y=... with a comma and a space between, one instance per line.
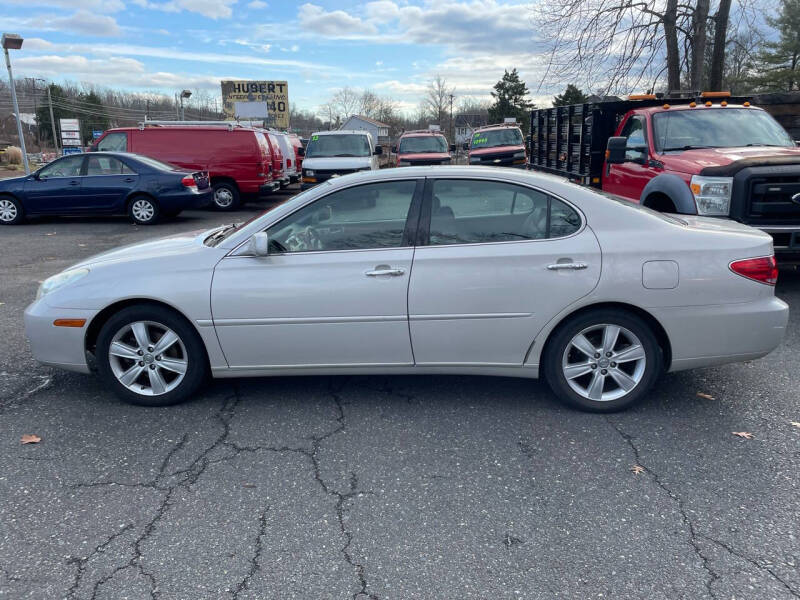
x=707, y=155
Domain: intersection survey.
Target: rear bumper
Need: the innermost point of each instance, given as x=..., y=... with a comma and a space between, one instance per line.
x=186, y=199
x=269, y=188
x=62, y=347
x=703, y=336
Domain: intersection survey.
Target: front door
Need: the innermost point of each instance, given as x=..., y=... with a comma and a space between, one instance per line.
x=55, y=188
x=333, y=290
x=500, y=261
x=630, y=178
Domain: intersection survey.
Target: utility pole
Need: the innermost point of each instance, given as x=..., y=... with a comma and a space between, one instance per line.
x=52, y=119
x=147, y=111
x=452, y=138
x=177, y=109
x=15, y=43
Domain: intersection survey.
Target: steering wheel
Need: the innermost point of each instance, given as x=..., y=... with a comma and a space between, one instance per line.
x=305, y=238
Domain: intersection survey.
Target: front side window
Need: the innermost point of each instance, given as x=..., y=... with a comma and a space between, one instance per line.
x=636, y=147
x=347, y=144
x=356, y=218
x=69, y=166
x=473, y=211
x=106, y=165
x=114, y=142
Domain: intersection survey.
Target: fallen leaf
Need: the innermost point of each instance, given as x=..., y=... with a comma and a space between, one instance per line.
x=706, y=396
x=794, y=423
x=743, y=434
x=637, y=469
x=30, y=438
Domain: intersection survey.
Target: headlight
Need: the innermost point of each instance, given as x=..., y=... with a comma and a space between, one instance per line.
x=58, y=281
x=308, y=172
x=519, y=154
x=712, y=194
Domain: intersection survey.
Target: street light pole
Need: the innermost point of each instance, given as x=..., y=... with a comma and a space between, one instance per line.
x=184, y=94
x=452, y=138
x=14, y=42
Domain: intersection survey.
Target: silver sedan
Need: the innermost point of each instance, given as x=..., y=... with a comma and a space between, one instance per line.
x=421, y=270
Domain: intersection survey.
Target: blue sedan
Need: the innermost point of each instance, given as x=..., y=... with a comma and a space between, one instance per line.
x=104, y=183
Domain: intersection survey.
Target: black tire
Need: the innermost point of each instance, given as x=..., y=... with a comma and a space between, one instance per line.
x=143, y=210
x=561, y=340
x=11, y=211
x=158, y=317
x=226, y=196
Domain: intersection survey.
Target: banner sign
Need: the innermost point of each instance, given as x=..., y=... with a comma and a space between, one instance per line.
x=70, y=125
x=267, y=100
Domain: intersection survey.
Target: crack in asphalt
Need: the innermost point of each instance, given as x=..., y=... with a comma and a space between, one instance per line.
x=713, y=576
x=255, y=562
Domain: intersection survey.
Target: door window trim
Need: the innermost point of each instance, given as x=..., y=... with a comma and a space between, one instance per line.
x=85, y=167
x=409, y=230
x=423, y=230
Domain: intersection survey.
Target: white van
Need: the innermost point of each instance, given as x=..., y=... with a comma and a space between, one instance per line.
x=289, y=161
x=330, y=153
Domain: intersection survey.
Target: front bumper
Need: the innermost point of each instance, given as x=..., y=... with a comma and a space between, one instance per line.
x=269, y=188
x=704, y=336
x=62, y=347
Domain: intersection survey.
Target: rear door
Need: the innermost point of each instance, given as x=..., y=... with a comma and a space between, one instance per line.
x=491, y=270
x=57, y=187
x=106, y=183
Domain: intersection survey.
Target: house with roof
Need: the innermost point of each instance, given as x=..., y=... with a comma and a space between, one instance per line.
x=465, y=124
x=379, y=131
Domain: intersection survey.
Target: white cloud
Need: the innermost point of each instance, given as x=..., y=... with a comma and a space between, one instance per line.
x=337, y=23
x=103, y=6
x=257, y=5
x=86, y=23
x=213, y=9
x=37, y=44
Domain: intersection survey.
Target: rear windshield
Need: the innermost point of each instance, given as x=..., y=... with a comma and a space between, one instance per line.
x=716, y=128
x=337, y=145
x=509, y=136
x=422, y=144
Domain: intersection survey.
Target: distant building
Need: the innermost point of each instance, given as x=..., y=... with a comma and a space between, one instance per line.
x=465, y=124
x=379, y=131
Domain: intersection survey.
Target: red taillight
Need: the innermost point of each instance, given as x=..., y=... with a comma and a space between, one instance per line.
x=762, y=270
x=189, y=181
x=288, y=162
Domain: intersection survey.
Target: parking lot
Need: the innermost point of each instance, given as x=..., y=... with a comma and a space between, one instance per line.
x=386, y=487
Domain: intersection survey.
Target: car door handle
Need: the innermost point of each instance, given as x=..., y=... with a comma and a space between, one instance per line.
x=74, y=183
x=385, y=270
x=572, y=266
x=129, y=180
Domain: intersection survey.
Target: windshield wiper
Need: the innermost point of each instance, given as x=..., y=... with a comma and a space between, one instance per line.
x=215, y=237
x=688, y=147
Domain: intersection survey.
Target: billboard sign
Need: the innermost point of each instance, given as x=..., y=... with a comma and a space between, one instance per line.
x=267, y=100
x=70, y=135
x=97, y=133
x=70, y=125
x=70, y=150
x=70, y=142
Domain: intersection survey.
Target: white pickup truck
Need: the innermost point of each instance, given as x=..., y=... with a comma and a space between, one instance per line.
x=330, y=153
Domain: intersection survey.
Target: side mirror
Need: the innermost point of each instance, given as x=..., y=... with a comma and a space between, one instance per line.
x=452, y=147
x=259, y=244
x=615, y=150
x=378, y=150
x=301, y=151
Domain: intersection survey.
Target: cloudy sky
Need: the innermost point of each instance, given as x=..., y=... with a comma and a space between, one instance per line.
x=393, y=47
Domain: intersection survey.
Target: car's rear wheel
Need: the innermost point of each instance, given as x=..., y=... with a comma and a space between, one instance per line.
x=603, y=360
x=11, y=211
x=151, y=356
x=143, y=210
x=226, y=196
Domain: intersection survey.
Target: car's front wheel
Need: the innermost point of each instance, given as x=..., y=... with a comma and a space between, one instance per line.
x=603, y=360
x=151, y=356
x=143, y=210
x=11, y=212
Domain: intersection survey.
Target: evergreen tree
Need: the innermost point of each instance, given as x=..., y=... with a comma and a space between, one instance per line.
x=510, y=100
x=572, y=95
x=780, y=59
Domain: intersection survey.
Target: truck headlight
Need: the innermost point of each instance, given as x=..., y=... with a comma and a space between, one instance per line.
x=519, y=154
x=712, y=194
x=51, y=284
x=309, y=172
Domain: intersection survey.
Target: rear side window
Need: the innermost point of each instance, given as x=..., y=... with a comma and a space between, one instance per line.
x=114, y=142
x=106, y=165
x=472, y=211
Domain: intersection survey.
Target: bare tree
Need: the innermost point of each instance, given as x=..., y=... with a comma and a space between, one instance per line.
x=720, y=44
x=345, y=102
x=437, y=98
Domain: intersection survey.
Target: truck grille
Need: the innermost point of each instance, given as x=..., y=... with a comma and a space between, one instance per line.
x=499, y=159
x=771, y=199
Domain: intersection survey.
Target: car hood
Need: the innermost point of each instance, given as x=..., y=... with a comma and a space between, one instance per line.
x=424, y=156
x=689, y=161
x=12, y=181
x=495, y=150
x=181, y=243
x=337, y=162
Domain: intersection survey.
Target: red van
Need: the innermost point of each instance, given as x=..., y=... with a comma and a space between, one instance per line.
x=277, y=160
x=297, y=143
x=238, y=159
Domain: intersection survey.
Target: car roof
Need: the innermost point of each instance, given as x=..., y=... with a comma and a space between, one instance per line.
x=421, y=134
x=342, y=132
x=674, y=107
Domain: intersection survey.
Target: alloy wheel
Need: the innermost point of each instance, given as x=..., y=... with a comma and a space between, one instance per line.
x=143, y=210
x=8, y=211
x=604, y=362
x=223, y=197
x=148, y=358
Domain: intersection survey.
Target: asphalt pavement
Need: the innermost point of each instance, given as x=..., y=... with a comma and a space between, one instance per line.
x=386, y=487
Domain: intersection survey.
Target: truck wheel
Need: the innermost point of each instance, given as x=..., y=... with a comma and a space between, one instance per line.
x=226, y=196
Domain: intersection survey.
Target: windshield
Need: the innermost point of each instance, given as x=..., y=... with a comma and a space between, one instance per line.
x=337, y=145
x=157, y=164
x=422, y=144
x=509, y=136
x=717, y=128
